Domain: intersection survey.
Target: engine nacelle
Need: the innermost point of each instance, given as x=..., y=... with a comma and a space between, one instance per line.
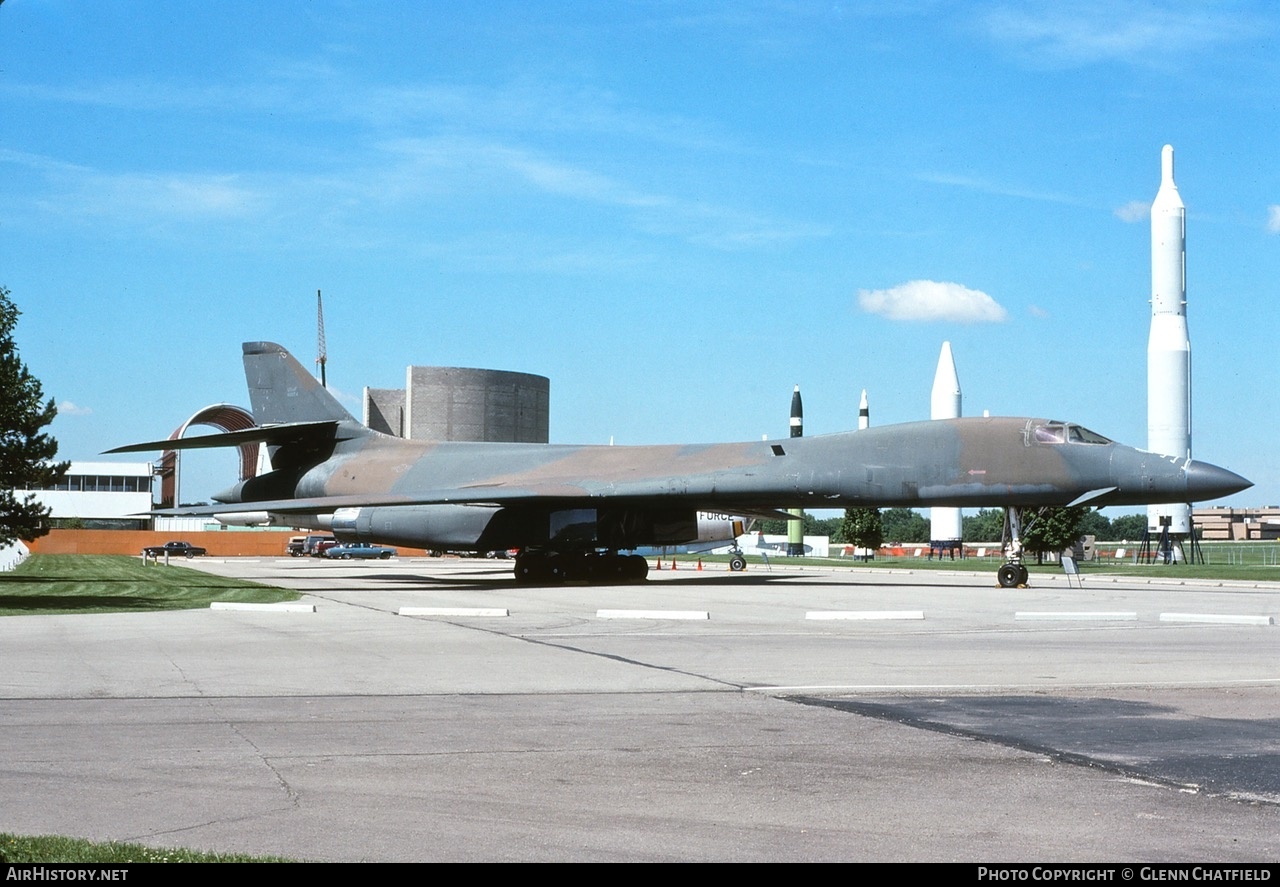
x=714, y=527
x=250, y=519
x=453, y=527
x=488, y=528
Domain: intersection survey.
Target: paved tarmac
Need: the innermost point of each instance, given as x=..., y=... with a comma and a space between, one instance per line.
x=1044, y=724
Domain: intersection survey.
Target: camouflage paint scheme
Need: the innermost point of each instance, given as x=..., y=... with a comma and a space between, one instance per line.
x=483, y=496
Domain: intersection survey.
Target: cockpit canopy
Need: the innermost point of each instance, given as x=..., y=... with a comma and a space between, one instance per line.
x=1064, y=433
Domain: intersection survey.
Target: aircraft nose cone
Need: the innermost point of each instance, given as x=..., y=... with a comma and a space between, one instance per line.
x=1205, y=481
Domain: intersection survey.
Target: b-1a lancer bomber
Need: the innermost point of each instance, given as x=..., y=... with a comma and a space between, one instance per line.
x=571, y=510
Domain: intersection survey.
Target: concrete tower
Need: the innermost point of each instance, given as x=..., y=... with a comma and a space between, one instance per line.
x=1169, y=347
x=795, y=528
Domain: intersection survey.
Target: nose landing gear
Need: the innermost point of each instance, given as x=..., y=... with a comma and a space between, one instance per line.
x=1014, y=573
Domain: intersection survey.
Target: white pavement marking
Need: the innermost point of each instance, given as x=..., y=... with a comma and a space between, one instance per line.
x=1220, y=618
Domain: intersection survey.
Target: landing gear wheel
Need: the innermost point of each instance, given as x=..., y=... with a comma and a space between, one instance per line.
x=737, y=563
x=554, y=571
x=1023, y=575
x=1011, y=575
x=637, y=567
x=530, y=568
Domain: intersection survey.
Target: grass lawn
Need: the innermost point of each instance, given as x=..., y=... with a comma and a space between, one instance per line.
x=53, y=849
x=85, y=583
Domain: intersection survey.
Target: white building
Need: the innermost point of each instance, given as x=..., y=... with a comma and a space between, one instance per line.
x=101, y=494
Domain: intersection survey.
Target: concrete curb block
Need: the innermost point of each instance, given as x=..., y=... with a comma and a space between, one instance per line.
x=263, y=608
x=1218, y=618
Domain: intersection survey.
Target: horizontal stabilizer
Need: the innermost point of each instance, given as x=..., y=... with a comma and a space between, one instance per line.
x=270, y=434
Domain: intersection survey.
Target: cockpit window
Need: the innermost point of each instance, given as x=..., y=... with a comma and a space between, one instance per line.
x=1050, y=434
x=1084, y=435
x=1058, y=433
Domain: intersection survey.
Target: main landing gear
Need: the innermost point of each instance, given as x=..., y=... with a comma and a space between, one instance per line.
x=1013, y=574
x=555, y=567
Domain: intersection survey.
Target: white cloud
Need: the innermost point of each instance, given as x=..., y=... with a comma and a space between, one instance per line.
x=153, y=196
x=987, y=186
x=1134, y=211
x=926, y=300
x=1273, y=218
x=1078, y=32
x=461, y=164
x=67, y=408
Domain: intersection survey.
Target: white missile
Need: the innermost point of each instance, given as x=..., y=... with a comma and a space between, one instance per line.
x=1169, y=347
x=864, y=412
x=945, y=403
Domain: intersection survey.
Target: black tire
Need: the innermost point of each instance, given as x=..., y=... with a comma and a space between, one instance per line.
x=190, y=555
x=1010, y=575
x=530, y=569
x=737, y=563
x=555, y=571
x=637, y=568
x=1023, y=575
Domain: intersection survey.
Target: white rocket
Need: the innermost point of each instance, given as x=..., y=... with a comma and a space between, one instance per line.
x=864, y=412
x=944, y=403
x=1169, y=347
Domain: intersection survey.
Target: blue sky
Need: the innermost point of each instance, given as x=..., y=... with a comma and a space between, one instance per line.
x=676, y=211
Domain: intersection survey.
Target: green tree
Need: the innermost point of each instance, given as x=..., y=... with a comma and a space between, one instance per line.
x=26, y=452
x=862, y=527
x=904, y=525
x=1128, y=527
x=827, y=526
x=1095, y=524
x=985, y=526
x=1054, y=530
x=811, y=525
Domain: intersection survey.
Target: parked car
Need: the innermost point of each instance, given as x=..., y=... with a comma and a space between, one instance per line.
x=311, y=545
x=173, y=549
x=322, y=546
x=294, y=548
x=359, y=549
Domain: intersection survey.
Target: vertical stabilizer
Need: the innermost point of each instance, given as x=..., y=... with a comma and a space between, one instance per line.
x=282, y=391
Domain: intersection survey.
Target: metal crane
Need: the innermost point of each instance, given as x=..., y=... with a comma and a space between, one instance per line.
x=321, y=353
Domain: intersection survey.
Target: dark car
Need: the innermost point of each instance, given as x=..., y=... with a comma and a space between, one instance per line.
x=359, y=549
x=173, y=549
